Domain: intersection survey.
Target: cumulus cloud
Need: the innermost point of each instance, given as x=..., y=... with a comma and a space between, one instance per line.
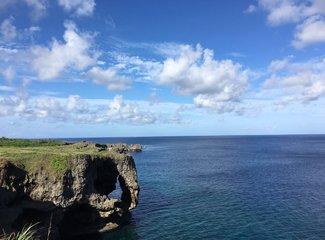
x=195, y=71
x=78, y=7
x=43, y=108
x=297, y=81
x=309, y=32
x=290, y=11
x=307, y=14
x=8, y=30
x=192, y=71
x=72, y=109
x=110, y=78
x=11, y=105
x=74, y=54
x=38, y=8
x=214, y=103
x=215, y=84
x=282, y=11
x=119, y=111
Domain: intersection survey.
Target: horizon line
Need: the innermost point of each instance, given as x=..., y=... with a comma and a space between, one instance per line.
x=180, y=136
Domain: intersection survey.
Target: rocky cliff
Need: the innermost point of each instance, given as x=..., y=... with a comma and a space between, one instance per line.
x=66, y=189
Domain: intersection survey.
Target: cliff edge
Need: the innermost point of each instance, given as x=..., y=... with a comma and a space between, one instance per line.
x=65, y=188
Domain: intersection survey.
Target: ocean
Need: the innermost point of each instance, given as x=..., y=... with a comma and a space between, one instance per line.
x=232, y=187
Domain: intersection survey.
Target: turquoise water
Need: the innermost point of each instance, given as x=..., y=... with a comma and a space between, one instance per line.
x=252, y=187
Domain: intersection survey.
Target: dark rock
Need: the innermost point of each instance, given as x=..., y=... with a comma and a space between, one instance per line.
x=101, y=147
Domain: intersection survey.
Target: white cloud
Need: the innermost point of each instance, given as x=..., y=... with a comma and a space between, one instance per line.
x=38, y=8
x=143, y=70
x=195, y=71
x=11, y=35
x=308, y=14
x=297, y=81
x=251, y=8
x=77, y=110
x=71, y=109
x=5, y=50
x=213, y=102
x=14, y=63
x=78, y=7
x=310, y=32
x=213, y=83
x=110, y=78
x=73, y=54
x=8, y=30
x=119, y=111
x=278, y=65
x=317, y=7
x=282, y=11
x=11, y=105
x=191, y=71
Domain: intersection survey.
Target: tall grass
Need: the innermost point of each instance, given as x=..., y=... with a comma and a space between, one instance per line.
x=27, y=233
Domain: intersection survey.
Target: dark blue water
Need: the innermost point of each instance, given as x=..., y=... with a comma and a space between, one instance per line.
x=252, y=187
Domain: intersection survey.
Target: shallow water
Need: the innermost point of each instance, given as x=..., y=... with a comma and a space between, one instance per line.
x=249, y=187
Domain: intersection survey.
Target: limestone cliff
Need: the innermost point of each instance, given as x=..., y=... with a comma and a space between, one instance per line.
x=74, y=201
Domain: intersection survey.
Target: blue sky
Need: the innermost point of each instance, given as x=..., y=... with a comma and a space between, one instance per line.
x=95, y=68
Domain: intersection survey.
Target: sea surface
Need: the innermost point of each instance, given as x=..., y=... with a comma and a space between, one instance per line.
x=236, y=187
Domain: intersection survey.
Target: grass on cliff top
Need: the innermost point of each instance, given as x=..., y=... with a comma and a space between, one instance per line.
x=11, y=142
x=51, y=155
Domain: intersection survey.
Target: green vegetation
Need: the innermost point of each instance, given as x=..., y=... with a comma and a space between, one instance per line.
x=50, y=155
x=59, y=164
x=8, y=142
x=27, y=233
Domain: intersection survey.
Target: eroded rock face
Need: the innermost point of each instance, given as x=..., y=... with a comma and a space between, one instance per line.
x=124, y=148
x=75, y=203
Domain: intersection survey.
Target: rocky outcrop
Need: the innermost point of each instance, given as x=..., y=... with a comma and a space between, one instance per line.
x=73, y=203
x=135, y=148
x=124, y=148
